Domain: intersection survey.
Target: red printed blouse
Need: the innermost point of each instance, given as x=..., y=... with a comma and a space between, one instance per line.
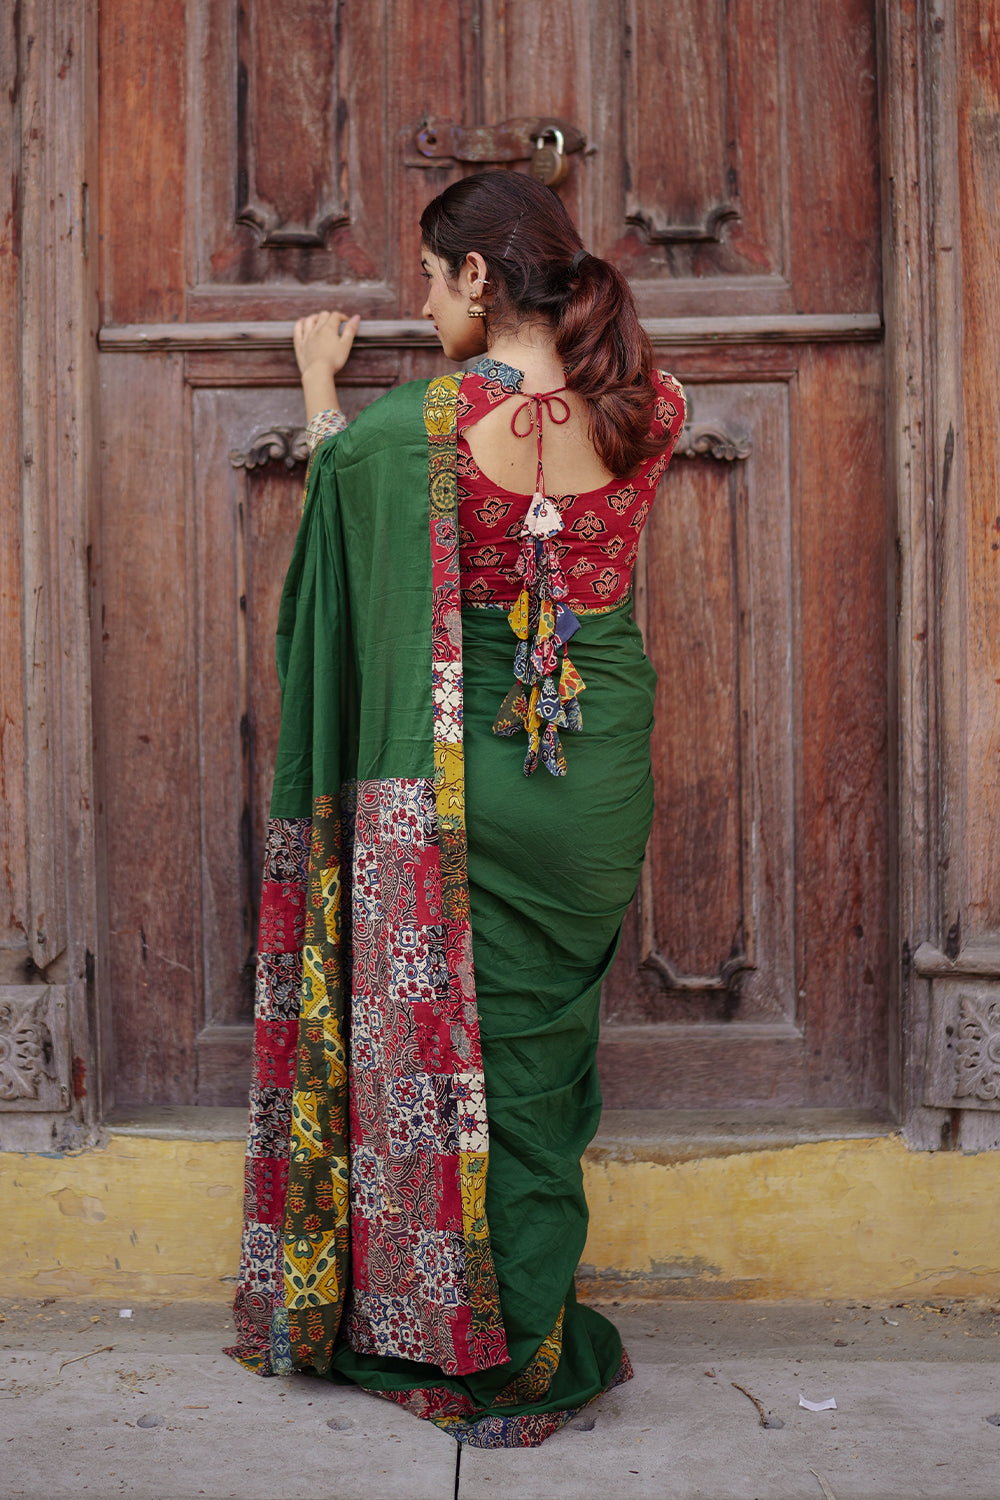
x=601, y=528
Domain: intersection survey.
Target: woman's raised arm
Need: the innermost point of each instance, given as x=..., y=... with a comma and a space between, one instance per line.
x=322, y=345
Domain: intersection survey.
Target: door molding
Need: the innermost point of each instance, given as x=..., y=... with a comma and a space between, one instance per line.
x=415, y=333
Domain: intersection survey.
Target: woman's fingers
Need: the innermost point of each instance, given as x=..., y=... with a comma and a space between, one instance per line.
x=347, y=331
x=324, y=338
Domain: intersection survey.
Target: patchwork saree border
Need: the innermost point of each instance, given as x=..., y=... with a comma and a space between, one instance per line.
x=487, y=1338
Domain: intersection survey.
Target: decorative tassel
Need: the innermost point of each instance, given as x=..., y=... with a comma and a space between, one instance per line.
x=544, y=696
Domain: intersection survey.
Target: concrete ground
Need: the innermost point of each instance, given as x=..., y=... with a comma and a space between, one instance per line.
x=154, y=1409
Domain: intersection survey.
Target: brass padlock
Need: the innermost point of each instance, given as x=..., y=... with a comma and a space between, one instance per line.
x=548, y=162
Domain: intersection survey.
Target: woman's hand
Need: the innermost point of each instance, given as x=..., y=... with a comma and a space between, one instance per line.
x=322, y=344
x=325, y=339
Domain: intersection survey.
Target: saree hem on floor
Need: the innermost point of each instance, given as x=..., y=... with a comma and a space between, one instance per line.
x=388, y=1128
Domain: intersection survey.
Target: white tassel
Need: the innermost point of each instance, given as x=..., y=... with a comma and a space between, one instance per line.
x=542, y=518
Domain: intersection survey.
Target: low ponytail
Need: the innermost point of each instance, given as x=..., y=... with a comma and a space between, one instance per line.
x=536, y=266
x=608, y=360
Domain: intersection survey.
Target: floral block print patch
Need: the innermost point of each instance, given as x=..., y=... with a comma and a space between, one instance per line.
x=270, y=1122
x=447, y=683
x=259, y=1293
x=279, y=985
x=423, y=1284
x=472, y=1129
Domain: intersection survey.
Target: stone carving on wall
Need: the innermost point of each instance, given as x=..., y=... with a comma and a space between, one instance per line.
x=33, y=1048
x=977, y=1064
x=962, y=1061
x=25, y=1051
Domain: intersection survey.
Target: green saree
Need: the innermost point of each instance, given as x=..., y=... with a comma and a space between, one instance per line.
x=435, y=929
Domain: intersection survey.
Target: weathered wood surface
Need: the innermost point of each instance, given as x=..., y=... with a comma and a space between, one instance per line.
x=912, y=434
x=701, y=1067
x=717, y=896
x=297, y=103
x=831, y=156
x=49, y=310
x=940, y=105
x=979, y=196
x=967, y=246
x=143, y=124
x=151, y=775
x=13, y=810
x=842, y=840
x=773, y=112
x=771, y=753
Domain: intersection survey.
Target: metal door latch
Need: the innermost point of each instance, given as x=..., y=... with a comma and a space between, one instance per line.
x=436, y=140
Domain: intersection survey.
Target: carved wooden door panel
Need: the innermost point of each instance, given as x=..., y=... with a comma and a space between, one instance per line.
x=276, y=159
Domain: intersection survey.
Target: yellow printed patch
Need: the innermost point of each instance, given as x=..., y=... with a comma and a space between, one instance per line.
x=336, y=1059
x=330, y=900
x=449, y=780
x=312, y=1270
x=546, y=622
x=307, y=1131
x=534, y=1381
x=570, y=682
x=315, y=1001
x=439, y=405
x=472, y=1167
x=533, y=721
x=518, y=616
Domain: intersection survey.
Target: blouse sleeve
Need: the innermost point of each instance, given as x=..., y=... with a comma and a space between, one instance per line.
x=669, y=416
x=323, y=425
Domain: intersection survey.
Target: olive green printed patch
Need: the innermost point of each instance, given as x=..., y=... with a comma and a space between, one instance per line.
x=316, y=1223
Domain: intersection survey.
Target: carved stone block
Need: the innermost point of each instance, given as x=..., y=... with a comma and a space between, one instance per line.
x=34, y=1048
x=963, y=1045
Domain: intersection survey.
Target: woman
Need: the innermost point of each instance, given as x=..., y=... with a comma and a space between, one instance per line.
x=445, y=879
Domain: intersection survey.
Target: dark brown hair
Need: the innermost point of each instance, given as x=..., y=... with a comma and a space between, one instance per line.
x=529, y=244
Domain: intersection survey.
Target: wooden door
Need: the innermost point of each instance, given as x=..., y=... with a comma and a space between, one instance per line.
x=260, y=159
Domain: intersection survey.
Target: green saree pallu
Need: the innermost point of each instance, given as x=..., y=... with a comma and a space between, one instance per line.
x=435, y=927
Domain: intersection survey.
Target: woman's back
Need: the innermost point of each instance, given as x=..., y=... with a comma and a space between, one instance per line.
x=602, y=514
x=571, y=461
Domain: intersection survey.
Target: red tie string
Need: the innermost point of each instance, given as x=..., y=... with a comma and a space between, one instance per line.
x=533, y=406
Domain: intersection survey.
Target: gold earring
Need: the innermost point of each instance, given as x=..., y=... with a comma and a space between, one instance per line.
x=476, y=309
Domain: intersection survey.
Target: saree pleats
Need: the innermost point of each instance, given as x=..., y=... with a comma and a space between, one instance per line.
x=435, y=931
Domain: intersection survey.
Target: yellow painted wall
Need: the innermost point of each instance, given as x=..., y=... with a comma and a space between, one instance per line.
x=151, y=1219
x=835, y=1219
x=139, y=1219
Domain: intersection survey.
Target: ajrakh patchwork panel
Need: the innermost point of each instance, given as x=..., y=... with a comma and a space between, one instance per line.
x=418, y=1112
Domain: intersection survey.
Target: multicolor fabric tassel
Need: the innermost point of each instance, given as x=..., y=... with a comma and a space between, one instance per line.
x=545, y=695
